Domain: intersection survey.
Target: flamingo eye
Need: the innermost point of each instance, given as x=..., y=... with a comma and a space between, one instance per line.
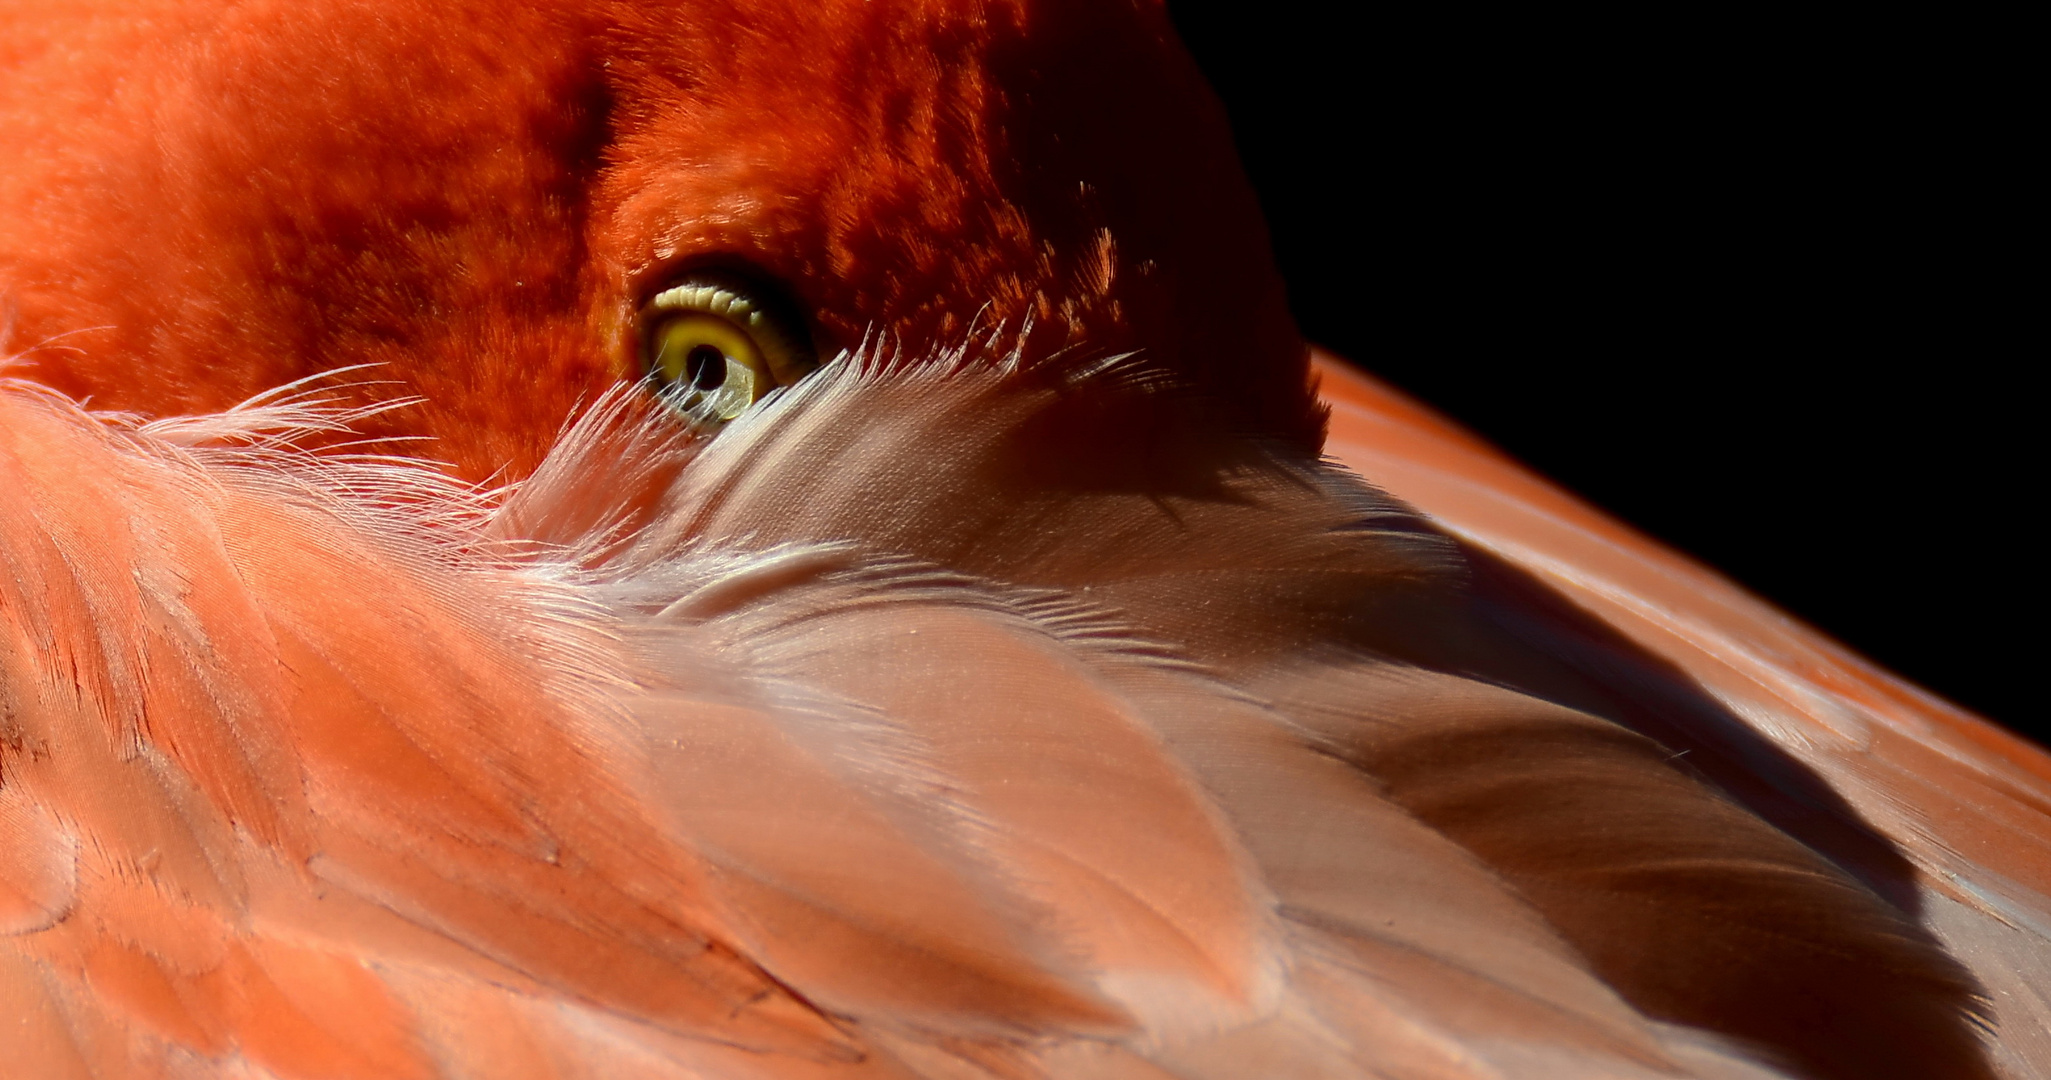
x=715, y=344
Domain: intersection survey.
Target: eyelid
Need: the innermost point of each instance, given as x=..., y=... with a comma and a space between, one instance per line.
x=699, y=294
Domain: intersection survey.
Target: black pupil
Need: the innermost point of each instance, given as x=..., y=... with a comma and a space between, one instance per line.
x=705, y=366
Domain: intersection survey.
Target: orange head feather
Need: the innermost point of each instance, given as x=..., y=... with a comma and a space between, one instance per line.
x=479, y=196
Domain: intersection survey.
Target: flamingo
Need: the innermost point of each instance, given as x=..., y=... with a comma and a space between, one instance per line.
x=698, y=539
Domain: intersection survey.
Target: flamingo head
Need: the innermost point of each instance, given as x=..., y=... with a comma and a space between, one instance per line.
x=505, y=208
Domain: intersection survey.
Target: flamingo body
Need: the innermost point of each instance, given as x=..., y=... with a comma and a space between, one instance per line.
x=1019, y=694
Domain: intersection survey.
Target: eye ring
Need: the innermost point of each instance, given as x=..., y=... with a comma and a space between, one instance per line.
x=715, y=341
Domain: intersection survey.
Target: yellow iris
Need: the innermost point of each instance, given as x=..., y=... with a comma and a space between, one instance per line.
x=716, y=348
x=711, y=363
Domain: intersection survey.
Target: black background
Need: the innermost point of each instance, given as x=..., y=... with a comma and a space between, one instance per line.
x=1752, y=284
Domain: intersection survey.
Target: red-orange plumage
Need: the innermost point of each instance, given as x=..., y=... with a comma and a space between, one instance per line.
x=206, y=203
x=1016, y=695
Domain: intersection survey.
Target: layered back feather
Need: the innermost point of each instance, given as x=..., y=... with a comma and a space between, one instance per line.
x=886, y=733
